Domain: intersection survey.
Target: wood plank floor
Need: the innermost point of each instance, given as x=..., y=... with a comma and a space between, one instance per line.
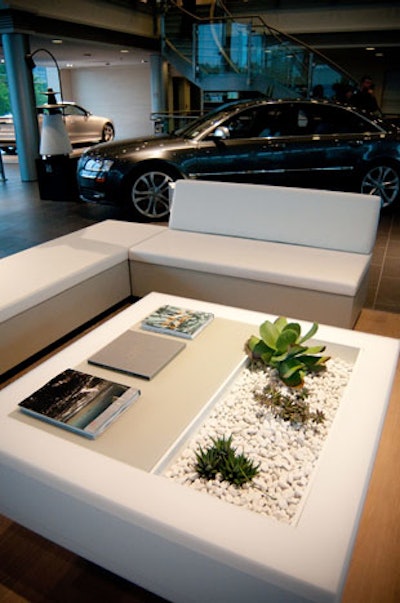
x=33, y=569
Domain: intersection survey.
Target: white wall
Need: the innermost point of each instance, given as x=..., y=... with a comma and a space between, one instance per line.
x=121, y=93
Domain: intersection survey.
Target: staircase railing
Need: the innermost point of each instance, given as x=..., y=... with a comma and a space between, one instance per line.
x=244, y=53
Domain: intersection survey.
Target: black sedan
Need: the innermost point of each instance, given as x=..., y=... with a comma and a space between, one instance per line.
x=313, y=144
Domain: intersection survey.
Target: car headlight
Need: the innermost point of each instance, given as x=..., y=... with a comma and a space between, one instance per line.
x=98, y=165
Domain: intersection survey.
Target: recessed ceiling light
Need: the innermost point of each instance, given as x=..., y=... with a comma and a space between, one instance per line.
x=56, y=41
x=370, y=48
x=379, y=54
x=124, y=51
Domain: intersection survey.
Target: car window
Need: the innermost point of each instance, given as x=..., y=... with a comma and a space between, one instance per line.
x=73, y=110
x=283, y=119
x=241, y=124
x=257, y=122
x=325, y=119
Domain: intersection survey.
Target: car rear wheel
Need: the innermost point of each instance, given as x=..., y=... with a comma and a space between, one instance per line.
x=150, y=194
x=108, y=133
x=382, y=179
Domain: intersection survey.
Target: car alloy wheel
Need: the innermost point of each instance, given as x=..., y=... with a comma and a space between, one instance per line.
x=384, y=181
x=150, y=194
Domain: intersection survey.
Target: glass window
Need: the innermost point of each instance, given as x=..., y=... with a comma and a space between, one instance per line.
x=73, y=110
x=257, y=122
x=335, y=120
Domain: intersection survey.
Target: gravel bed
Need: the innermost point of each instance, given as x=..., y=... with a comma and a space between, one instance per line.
x=287, y=454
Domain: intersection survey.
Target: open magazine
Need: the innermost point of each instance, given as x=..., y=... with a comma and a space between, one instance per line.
x=80, y=402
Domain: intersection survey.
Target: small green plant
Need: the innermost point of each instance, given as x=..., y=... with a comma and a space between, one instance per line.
x=292, y=407
x=221, y=458
x=280, y=346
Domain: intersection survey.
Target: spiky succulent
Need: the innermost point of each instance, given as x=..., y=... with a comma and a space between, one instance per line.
x=221, y=458
x=280, y=346
x=237, y=469
x=207, y=463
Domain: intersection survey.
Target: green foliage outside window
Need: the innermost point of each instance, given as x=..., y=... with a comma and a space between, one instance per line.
x=4, y=95
x=39, y=84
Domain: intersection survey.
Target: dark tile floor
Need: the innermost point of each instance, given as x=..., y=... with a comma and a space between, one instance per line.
x=26, y=220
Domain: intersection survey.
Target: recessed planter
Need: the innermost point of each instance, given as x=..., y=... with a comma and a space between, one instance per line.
x=286, y=454
x=101, y=499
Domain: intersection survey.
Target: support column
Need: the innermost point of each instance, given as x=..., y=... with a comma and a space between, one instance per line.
x=20, y=83
x=158, y=86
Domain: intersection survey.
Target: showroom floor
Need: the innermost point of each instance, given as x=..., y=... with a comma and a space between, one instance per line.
x=26, y=220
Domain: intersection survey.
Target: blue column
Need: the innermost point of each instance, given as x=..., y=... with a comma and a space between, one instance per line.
x=20, y=83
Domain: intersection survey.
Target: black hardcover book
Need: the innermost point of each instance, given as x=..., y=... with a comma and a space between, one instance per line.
x=79, y=402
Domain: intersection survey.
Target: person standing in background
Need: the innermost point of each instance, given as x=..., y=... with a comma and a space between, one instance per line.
x=364, y=97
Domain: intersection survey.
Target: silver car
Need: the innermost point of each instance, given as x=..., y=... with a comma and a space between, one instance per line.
x=83, y=128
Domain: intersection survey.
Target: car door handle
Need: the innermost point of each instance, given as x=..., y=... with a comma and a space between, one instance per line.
x=275, y=145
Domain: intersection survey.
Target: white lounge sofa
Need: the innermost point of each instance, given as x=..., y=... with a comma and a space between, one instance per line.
x=49, y=290
x=294, y=252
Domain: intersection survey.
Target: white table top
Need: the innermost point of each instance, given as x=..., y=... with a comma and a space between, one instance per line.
x=310, y=558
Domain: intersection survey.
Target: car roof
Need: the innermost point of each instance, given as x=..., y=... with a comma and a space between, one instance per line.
x=63, y=104
x=245, y=103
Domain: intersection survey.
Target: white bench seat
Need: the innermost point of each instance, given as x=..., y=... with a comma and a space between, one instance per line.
x=298, y=252
x=53, y=288
x=278, y=263
x=304, y=282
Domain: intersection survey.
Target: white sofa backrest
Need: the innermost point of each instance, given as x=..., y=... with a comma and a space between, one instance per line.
x=325, y=219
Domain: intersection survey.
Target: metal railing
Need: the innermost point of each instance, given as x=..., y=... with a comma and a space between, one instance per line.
x=245, y=53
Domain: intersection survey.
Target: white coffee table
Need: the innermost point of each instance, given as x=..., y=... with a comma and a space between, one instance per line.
x=102, y=501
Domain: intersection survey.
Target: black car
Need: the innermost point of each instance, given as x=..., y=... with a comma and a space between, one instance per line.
x=314, y=144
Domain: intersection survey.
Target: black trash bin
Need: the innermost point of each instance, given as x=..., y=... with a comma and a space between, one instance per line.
x=57, y=178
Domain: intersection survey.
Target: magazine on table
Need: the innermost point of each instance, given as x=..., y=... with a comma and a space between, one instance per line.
x=180, y=322
x=79, y=402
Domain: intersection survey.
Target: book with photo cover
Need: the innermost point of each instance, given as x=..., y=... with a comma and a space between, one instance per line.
x=81, y=403
x=181, y=322
x=138, y=354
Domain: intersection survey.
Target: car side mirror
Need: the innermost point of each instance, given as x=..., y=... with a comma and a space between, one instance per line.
x=222, y=132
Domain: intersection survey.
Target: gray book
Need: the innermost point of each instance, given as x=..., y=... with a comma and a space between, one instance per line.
x=139, y=354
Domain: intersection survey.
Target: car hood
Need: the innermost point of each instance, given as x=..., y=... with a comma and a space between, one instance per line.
x=124, y=148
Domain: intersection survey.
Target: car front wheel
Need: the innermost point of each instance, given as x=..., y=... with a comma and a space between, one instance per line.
x=108, y=133
x=150, y=194
x=383, y=180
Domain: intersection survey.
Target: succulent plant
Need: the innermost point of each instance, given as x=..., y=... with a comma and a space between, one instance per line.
x=280, y=346
x=221, y=458
x=292, y=407
x=237, y=469
x=207, y=463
